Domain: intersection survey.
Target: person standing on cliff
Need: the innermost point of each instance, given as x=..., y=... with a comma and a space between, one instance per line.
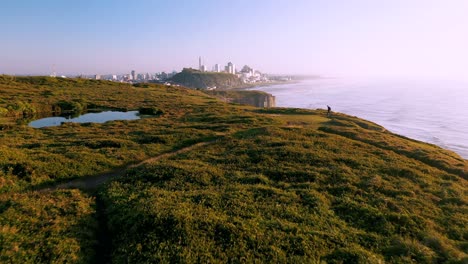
x=329, y=110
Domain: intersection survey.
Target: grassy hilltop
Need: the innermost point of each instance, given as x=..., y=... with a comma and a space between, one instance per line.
x=203, y=80
x=221, y=183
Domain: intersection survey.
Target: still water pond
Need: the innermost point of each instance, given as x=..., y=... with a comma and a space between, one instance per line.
x=101, y=117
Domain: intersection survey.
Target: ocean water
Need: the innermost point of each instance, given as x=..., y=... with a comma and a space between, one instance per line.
x=430, y=111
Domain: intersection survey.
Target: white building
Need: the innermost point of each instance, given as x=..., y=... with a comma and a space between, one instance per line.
x=230, y=68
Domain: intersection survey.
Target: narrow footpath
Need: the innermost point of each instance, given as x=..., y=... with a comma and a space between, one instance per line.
x=91, y=185
x=93, y=182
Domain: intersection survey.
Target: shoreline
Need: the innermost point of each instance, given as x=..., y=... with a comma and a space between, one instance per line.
x=249, y=87
x=395, y=127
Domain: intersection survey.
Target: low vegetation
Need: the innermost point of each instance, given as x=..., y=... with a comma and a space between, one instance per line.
x=49, y=227
x=204, y=80
x=272, y=185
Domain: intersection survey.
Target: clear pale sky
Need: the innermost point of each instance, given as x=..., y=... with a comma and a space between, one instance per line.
x=405, y=38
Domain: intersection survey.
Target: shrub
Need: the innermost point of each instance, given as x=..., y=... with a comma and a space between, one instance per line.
x=150, y=111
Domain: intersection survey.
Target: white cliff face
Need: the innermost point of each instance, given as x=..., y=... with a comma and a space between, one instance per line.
x=253, y=98
x=258, y=100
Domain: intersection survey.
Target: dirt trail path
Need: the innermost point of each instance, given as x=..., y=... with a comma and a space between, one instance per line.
x=91, y=183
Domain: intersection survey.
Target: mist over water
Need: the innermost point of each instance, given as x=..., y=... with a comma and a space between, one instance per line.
x=430, y=111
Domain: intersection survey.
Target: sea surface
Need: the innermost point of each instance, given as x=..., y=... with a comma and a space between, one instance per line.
x=430, y=111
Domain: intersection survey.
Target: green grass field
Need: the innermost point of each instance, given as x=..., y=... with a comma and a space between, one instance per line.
x=273, y=185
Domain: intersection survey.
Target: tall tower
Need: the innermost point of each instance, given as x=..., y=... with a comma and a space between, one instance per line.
x=54, y=73
x=231, y=68
x=199, y=63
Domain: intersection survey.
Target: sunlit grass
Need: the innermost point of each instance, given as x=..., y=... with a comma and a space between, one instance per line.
x=273, y=185
x=53, y=227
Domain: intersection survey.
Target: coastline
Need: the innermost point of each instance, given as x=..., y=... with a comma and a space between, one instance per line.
x=406, y=116
x=250, y=87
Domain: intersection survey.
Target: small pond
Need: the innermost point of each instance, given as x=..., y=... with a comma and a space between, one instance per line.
x=101, y=117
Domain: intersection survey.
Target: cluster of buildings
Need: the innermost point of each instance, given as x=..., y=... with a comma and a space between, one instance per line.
x=246, y=74
x=133, y=77
x=229, y=68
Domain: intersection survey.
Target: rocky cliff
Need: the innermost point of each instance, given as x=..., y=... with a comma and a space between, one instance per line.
x=254, y=98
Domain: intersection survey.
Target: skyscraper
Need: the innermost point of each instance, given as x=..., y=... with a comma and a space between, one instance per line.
x=133, y=75
x=199, y=63
x=231, y=68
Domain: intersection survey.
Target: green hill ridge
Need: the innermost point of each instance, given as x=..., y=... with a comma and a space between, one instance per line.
x=205, y=80
x=274, y=185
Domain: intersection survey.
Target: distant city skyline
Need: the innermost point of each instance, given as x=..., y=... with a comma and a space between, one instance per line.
x=420, y=38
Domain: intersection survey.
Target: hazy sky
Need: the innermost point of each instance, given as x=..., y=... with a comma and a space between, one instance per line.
x=409, y=38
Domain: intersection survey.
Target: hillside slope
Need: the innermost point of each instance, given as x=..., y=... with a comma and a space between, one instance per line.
x=203, y=80
x=272, y=185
